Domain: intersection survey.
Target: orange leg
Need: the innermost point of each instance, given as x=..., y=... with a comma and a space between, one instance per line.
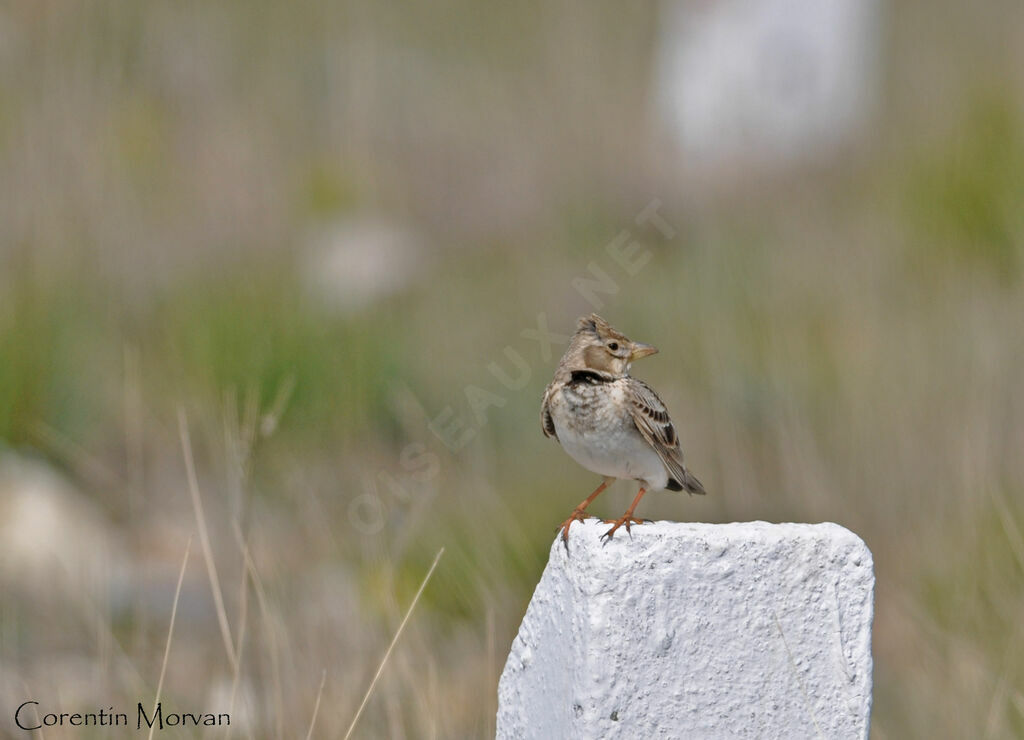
x=626, y=518
x=578, y=513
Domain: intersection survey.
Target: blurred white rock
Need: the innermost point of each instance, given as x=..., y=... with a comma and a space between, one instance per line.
x=351, y=264
x=765, y=83
x=54, y=542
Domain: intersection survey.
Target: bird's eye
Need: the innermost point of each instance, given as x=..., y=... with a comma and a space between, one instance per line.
x=614, y=346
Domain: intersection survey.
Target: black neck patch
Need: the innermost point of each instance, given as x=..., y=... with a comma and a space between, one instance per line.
x=589, y=376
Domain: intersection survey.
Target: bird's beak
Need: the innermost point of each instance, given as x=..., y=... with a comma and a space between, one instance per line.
x=641, y=350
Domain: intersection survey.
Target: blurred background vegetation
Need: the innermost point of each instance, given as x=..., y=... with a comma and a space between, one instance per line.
x=308, y=227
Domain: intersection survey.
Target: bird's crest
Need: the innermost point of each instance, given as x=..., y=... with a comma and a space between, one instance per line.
x=599, y=328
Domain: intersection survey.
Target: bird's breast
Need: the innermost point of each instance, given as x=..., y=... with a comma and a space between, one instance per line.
x=595, y=427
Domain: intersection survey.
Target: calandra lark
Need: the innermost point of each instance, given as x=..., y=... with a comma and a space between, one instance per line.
x=611, y=423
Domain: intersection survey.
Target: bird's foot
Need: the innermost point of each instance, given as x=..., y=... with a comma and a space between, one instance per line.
x=626, y=520
x=578, y=515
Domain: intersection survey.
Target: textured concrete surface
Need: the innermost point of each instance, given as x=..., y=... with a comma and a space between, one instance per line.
x=696, y=631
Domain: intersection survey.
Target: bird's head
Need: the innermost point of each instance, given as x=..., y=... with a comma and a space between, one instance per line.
x=598, y=346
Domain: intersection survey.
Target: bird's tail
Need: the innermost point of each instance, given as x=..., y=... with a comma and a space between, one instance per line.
x=691, y=484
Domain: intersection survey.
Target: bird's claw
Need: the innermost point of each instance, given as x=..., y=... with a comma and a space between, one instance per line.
x=625, y=520
x=578, y=515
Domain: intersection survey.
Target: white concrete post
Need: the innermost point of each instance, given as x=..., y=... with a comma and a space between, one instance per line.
x=749, y=630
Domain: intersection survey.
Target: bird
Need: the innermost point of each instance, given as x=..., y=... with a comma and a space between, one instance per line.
x=610, y=422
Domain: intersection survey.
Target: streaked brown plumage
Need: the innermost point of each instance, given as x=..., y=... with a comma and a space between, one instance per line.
x=610, y=422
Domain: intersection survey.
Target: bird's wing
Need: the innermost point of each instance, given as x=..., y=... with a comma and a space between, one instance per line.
x=651, y=418
x=547, y=424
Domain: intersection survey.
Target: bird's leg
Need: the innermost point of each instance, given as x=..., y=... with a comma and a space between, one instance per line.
x=578, y=514
x=626, y=518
